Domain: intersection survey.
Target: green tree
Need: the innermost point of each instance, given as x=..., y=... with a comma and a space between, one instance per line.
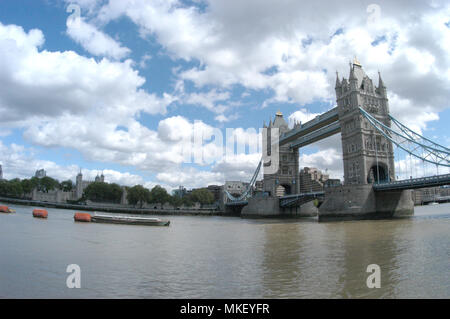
x=11, y=188
x=138, y=195
x=115, y=192
x=203, y=196
x=176, y=200
x=45, y=184
x=27, y=186
x=159, y=195
x=187, y=201
x=103, y=192
x=66, y=186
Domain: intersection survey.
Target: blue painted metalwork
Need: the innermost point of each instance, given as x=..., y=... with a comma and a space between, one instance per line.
x=318, y=135
x=421, y=148
x=431, y=181
x=237, y=203
x=292, y=200
x=311, y=126
x=247, y=192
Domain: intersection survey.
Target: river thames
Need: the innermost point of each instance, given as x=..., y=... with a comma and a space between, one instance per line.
x=225, y=257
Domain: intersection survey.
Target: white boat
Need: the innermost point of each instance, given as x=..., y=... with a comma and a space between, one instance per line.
x=130, y=220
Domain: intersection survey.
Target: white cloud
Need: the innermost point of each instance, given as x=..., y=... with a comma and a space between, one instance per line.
x=37, y=85
x=209, y=100
x=290, y=48
x=302, y=116
x=21, y=162
x=95, y=41
x=302, y=44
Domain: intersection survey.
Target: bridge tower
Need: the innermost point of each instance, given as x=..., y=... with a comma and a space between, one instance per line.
x=286, y=180
x=368, y=156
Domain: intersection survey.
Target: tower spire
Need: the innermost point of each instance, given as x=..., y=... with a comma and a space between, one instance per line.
x=380, y=81
x=338, y=82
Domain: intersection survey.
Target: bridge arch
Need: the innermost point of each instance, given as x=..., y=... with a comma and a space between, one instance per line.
x=378, y=173
x=283, y=189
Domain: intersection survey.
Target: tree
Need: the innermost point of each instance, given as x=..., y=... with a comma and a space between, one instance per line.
x=103, y=192
x=44, y=184
x=11, y=188
x=66, y=186
x=187, y=201
x=203, y=196
x=159, y=195
x=27, y=186
x=176, y=200
x=138, y=195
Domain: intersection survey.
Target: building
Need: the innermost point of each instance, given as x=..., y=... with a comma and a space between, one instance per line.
x=80, y=185
x=180, y=192
x=216, y=190
x=368, y=156
x=59, y=196
x=312, y=180
x=431, y=194
x=1, y=173
x=100, y=179
x=259, y=186
x=40, y=173
x=285, y=180
x=332, y=182
x=235, y=188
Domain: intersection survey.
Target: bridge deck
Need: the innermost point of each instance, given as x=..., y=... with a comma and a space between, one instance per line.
x=413, y=183
x=237, y=203
x=318, y=135
x=318, y=122
x=293, y=200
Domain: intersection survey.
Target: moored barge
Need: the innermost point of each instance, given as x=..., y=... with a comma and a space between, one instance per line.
x=129, y=220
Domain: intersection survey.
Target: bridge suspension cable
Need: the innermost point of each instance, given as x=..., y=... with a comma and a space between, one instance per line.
x=249, y=188
x=411, y=142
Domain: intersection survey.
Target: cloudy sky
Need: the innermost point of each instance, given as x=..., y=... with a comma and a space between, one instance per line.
x=122, y=86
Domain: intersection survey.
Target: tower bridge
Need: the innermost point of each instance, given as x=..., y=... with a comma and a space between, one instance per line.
x=369, y=135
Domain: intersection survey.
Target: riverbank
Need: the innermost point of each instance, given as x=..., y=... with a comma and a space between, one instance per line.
x=118, y=209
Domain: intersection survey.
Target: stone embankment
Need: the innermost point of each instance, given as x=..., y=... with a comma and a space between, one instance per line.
x=116, y=209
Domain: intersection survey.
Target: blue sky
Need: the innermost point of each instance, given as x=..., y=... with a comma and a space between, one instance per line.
x=120, y=88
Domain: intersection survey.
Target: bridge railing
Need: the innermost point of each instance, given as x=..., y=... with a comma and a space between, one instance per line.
x=418, y=180
x=318, y=119
x=411, y=183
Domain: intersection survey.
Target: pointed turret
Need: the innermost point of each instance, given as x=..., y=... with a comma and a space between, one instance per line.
x=338, y=82
x=338, y=86
x=380, y=81
x=264, y=124
x=381, y=87
x=353, y=79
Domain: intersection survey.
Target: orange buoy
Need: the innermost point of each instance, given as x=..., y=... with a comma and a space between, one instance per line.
x=4, y=209
x=82, y=217
x=40, y=213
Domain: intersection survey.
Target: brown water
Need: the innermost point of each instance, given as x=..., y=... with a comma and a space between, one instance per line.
x=219, y=257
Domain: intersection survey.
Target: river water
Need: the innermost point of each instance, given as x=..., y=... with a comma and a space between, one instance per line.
x=225, y=257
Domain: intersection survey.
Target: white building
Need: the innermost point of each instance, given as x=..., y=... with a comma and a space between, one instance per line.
x=40, y=173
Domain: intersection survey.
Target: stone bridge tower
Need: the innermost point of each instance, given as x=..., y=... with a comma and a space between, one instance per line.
x=286, y=180
x=367, y=155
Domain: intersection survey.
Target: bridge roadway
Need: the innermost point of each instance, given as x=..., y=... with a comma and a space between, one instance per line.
x=413, y=183
x=312, y=126
x=298, y=199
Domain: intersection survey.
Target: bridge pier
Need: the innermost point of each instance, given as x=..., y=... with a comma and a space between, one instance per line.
x=352, y=202
x=270, y=207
